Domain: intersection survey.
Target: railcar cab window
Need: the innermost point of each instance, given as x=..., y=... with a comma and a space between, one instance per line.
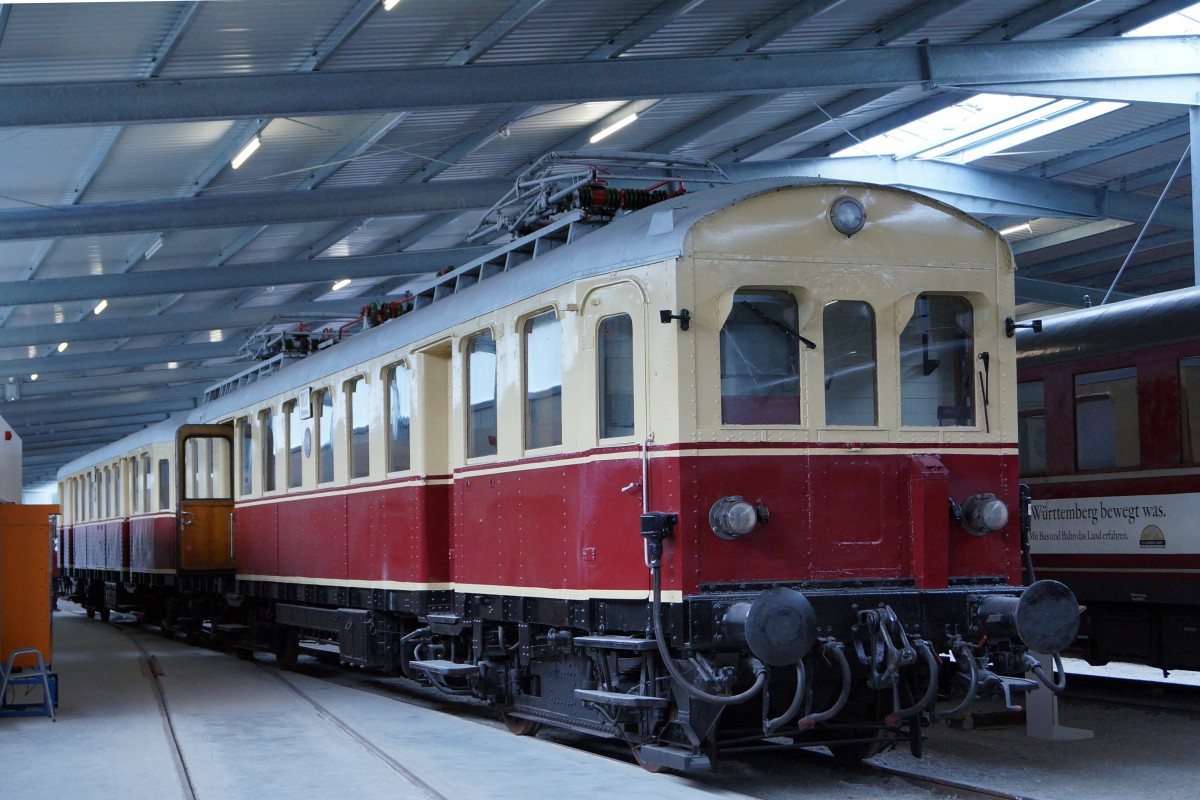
x=164, y=484
x=848, y=345
x=1031, y=427
x=148, y=486
x=543, y=381
x=760, y=359
x=1189, y=408
x=937, y=373
x=295, y=444
x=323, y=413
x=481, y=395
x=246, y=438
x=1106, y=419
x=614, y=339
x=266, y=423
x=399, y=414
x=359, y=426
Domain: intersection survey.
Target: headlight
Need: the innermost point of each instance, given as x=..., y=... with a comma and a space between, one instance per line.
x=984, y=513
x=732, y=517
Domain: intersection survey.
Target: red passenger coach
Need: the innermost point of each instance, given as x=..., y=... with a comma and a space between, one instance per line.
x=751, y=442
x=1110, y=445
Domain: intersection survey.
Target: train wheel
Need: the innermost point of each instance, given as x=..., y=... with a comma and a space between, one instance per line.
x=244, y=653
x=287, y=650
x=854, y=753
x=104, y=614
x=519, y=726
x=644, y=764
x=91, y=612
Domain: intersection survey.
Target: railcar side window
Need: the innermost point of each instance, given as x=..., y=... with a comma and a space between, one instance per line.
x=849, y=349
x=399, y=412
x=760, y=359
x=266, y=422
x=481, y=396
x=1189, y=408
x=936, y=363
x=148, y=477
x=247, y=440
x=615, y=353
x=360, y=427
x=1031, y=427
x=135, y=485
x=543, y=381
x=118, y=490
x=1106, y=419
x=295, y=445
x=323, y=400
x=164, y=484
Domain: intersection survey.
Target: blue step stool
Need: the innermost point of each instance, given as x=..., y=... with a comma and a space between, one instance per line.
x=39, y=675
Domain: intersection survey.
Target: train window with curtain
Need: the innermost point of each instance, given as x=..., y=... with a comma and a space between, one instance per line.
x=148, y=487
x=323, y=411
x=543, y=381
x=614, y=345
x=246, y=438
x=1189, y=408
x=135, y=486
x=118, y=490
x=1106, y=419
x=760, y=359
x=848, y=345
x=358, y=403
x=106, y=495
x=937, y=367
x=399, y=415
x=481, y=395
x=164, y=484
x=295, y=444
x=266, y=423
x=1031, y=427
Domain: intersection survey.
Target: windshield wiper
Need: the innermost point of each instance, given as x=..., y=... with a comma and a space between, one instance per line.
x=785, y=328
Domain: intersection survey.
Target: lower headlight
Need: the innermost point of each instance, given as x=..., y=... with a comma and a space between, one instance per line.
x=732, y=517
x=984, y=513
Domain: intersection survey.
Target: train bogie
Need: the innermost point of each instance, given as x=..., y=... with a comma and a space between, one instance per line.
x=759, y=439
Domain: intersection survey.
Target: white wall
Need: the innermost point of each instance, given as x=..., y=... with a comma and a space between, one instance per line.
x=10, y=464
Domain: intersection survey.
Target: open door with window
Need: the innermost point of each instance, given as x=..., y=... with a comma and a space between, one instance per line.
x=204, y=516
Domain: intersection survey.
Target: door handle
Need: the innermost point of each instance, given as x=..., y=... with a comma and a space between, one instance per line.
x=187, y=518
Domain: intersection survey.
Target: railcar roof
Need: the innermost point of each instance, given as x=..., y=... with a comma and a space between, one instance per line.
x=1157, y=320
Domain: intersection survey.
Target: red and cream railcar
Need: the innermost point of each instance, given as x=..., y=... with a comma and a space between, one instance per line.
x=758, y=436
x=1110, y=446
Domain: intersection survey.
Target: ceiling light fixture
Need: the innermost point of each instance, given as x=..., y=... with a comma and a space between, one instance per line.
x=342, y=284
x=156, y=245
x=611, y=129
x=103, y=304
x=33, y=377
x=388, y=5
x=246, y=152
x=62, y=346
x=1022, y=228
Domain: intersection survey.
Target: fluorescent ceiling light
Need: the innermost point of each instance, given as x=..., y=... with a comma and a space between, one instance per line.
x=33, y=377
x=172, y=365
x=388, y=5
x=246, y=152
x=611, y=129
x=156, y=245
x=103, y=304
x=342, y=284
x=62, y=346
x=1022, y=228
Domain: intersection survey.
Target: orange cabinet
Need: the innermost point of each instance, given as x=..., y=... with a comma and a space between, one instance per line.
x=26, y=560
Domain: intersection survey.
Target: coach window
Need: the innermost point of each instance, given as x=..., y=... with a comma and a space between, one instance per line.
x=359, y=424
x=164, y=484
x=1189, y=408
x=106, y=508
x=147, y=484
x=118, y=490
x=543, y=381
x=266, y=423
x=135, y=486
x=760, y=359
x=1106, y=419
x=936, y=367
x=614, y=347
x=399, y=415
x=1031, y=427
x=246, y=437
x=481, y=395
x=295, y=444
x=848, y=344
x=323, y=411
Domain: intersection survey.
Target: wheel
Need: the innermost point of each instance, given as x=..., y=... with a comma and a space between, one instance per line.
x=104, y=614
x=244, y=653
x=519, y=726
x=854, y=753
x=646, y=765
x=287, y=650
x=91, y=612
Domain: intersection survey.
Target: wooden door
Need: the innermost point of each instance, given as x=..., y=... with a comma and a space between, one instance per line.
x=204, y=514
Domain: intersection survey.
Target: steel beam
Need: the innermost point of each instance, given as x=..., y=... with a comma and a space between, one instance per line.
x=253, y=208
x=84, y=363
x=1018, y=64
x=37, y=427
x=153, y=377
x=75, y=415
x=1085, y=231
x=1112, y=252
x=93, y=402
x=1030, y=290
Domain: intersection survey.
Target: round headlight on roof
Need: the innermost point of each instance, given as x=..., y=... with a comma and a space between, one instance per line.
x=732, y=517
x=847, y=215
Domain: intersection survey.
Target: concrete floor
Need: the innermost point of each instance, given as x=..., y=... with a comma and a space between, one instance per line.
x=243, y=732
